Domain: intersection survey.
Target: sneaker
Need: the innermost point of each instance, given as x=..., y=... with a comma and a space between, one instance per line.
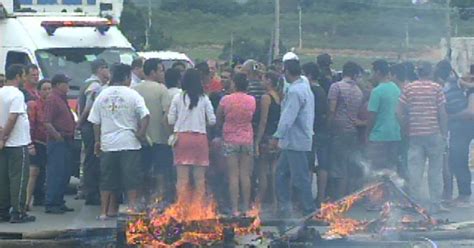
x=21, y=218
x=54, y=210
x=66, y=208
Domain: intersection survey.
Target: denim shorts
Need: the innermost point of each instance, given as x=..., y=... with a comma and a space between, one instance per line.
x=230, y=149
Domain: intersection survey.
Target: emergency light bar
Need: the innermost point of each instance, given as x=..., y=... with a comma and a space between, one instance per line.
x=102, y=26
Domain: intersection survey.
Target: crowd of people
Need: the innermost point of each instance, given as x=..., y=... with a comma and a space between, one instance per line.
x=242, y=132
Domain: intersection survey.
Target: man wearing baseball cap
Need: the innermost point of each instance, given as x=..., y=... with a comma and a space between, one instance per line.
x=60, y=124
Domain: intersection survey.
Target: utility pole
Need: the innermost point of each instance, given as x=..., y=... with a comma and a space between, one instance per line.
x=448, y=29
x=148, y=27
x=300, y=27
x=277, y=29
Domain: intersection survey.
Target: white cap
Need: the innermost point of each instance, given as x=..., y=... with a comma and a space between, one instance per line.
x=290, y=56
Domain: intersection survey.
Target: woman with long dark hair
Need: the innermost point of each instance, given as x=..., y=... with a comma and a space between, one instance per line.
x=190, y=112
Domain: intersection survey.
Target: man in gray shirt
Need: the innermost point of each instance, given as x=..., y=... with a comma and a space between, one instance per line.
x=294, y=133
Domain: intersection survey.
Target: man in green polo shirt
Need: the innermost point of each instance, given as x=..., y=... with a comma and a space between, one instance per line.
x=384, y=127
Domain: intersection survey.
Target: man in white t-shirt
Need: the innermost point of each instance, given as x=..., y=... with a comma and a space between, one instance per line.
x=14, y=141
x=120, y=119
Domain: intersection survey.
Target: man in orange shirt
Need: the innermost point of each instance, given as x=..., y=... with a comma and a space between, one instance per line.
x=216, y=84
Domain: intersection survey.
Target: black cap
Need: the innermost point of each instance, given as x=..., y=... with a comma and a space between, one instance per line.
x=324, y=59
x=60, y=78
x=97, y=64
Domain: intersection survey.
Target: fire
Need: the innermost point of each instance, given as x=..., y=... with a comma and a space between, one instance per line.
x=338, y=224
x=191, y=220
x=407, y=219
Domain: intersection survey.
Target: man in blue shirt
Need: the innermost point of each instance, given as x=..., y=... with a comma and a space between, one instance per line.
x=294, y=134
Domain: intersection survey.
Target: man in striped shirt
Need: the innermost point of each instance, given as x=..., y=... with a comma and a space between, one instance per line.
x=422, y=114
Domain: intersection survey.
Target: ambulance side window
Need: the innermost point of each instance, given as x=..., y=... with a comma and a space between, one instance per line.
x=17, y=58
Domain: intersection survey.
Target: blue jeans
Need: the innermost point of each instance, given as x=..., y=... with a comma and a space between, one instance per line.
x=58, y=172
x=293, y=167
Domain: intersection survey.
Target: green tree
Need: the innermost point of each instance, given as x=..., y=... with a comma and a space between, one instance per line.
x=245, y=48
x=133, y=24
x=220, y=7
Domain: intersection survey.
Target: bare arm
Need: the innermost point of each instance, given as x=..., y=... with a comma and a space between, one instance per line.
x=332, y=112
x=370, y=121
x=97, y=131
x=265, y=106
x=11, y=121
x=220, y=117
x=443, y=120
x=84, y=116
x=142, y=126
x=401, y=117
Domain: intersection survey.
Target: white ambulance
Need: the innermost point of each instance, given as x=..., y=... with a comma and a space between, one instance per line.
x=60, y=42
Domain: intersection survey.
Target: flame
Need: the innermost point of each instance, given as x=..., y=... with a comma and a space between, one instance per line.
x=191, y=220
x=377, y=195
x=333, y=214
x=407, y=219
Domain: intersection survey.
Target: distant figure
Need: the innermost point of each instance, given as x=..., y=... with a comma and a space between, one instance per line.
x=345, y=102
x=205, y=72
x=14, y=141
x=190, y=113
x=422, y=113
x=173, y=82
x=31, y=82
x=327, y=75
x=215, y=85
x=235, y=114
x=384, y=137
x=459, y=106
x=295, y=138
x=321, y=140
x=180, y=66
x=91, y=167
x=270, y=106
x=120, y=119
x=137, y=71
x=226, y=80
x=254, y=71
x=157, y=155
x=39, y=137
x=60, y=126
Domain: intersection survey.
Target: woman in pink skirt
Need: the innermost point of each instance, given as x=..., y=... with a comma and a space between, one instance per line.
x=190, y=113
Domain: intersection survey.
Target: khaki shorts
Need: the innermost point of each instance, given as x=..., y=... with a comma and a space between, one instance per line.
x=121, y=170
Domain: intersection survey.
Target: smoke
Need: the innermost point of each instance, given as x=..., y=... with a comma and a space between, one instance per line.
x=372, y=174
